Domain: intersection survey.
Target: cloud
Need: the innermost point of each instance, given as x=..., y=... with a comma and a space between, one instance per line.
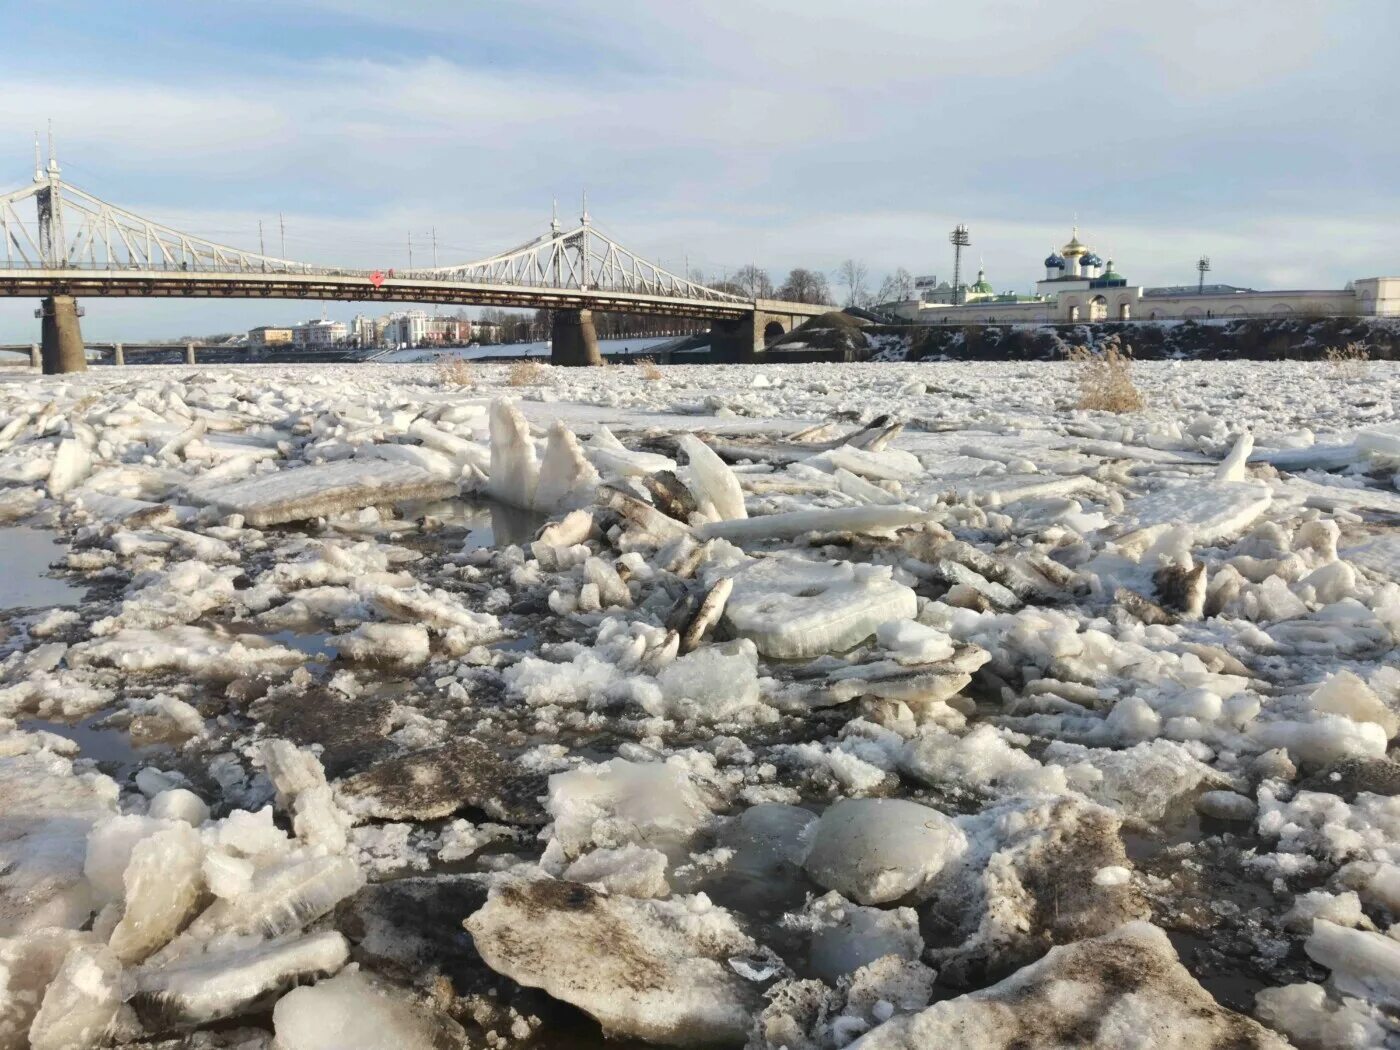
x=781, y=132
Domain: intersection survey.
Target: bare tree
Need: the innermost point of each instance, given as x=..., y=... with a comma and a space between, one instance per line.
x=753, y=282
x=805, y=286
x=896, y=287
x=853, y=275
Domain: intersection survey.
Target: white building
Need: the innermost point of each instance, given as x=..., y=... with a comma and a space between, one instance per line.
x=406, y=328
x=1080, y=286
x=319, y=333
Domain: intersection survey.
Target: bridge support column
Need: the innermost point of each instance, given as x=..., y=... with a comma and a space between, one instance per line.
x=118, y=354
x=36, y=359
x=189, y=354
x=61, y=346
x=575, y=342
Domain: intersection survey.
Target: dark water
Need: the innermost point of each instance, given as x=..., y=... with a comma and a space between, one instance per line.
x=25, y=582
x=109, y=746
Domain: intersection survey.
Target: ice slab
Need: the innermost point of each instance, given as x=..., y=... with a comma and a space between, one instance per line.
x=875, y=520
x=792, y=608
x=1212, y=512
x=224, y=984
x=325, y=489
x=665, y=976
x=44, y=823
x=1125, y=989
x=1000, y=490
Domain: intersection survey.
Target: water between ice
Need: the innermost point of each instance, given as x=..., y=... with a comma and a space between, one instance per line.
x=25, y=582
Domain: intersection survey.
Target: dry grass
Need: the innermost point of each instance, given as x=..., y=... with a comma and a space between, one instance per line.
x=650, y=371
x=1106, y=379
x=527, y=373
x=1352, y=360
x=453, y=371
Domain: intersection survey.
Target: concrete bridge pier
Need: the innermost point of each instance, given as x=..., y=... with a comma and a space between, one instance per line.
x=744, y=338
x=189, y=354
x=118, y=354
x=61, y=345
x=36, y=359
x=575, y=341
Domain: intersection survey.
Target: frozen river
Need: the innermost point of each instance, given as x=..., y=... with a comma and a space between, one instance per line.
x=885, y=706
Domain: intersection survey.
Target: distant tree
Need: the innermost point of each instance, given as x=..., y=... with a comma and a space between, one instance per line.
x=805, y=286
x=753, y=282
x=853, y=274
x=896, y=287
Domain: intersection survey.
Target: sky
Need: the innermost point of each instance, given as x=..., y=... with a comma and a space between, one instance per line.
x=780, y=133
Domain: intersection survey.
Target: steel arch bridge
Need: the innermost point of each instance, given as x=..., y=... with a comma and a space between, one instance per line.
x=75, y=244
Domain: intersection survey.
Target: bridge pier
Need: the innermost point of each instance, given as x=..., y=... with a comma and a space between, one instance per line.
x=118, y=354
x=36, y=359
x=61, y=347
x=575, y=341
x=189, y=354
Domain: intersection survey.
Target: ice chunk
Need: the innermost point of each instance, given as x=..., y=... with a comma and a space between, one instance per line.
x=44, y=823
x=436, y=609
x=162, y=888
x=1143, y=782
x=355, y=1010
x=628, y=871
x=911, y=642
x=514, y=468
x=980, y=760
x=325, y=489
x=196, y=651
x=1305, y=1014
x=846, y=936
x=224, y=984
x=395, y=645
x=710, y=478
x=28, y=965
x=618, y=802
x=566, y=478
x=71, y=463
x=1234, y=466
x=1124, y=989
x=792, y=608
x=1346, y=694
x=82, y=1005
x=1212, y=512
x=280, y=899
x=878, y=850
x=718, y=683
x=875, y=520
x=665, y=976
x=1363, y=964
x=1324, y=740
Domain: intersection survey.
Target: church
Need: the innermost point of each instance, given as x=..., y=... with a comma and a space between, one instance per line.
x=1079, y=285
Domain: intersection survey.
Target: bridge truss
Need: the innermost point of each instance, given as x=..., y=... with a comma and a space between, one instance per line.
x=80, y=236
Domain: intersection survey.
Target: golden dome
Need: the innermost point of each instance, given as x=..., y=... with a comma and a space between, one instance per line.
x=1074, y=247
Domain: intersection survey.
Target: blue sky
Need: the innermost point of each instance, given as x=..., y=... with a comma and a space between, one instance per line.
x=781, y=132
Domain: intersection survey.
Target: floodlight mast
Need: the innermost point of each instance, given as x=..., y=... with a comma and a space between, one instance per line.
x=1202, y=268
x=959, y=239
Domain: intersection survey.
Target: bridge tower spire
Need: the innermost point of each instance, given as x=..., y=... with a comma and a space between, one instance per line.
x=61, y=339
